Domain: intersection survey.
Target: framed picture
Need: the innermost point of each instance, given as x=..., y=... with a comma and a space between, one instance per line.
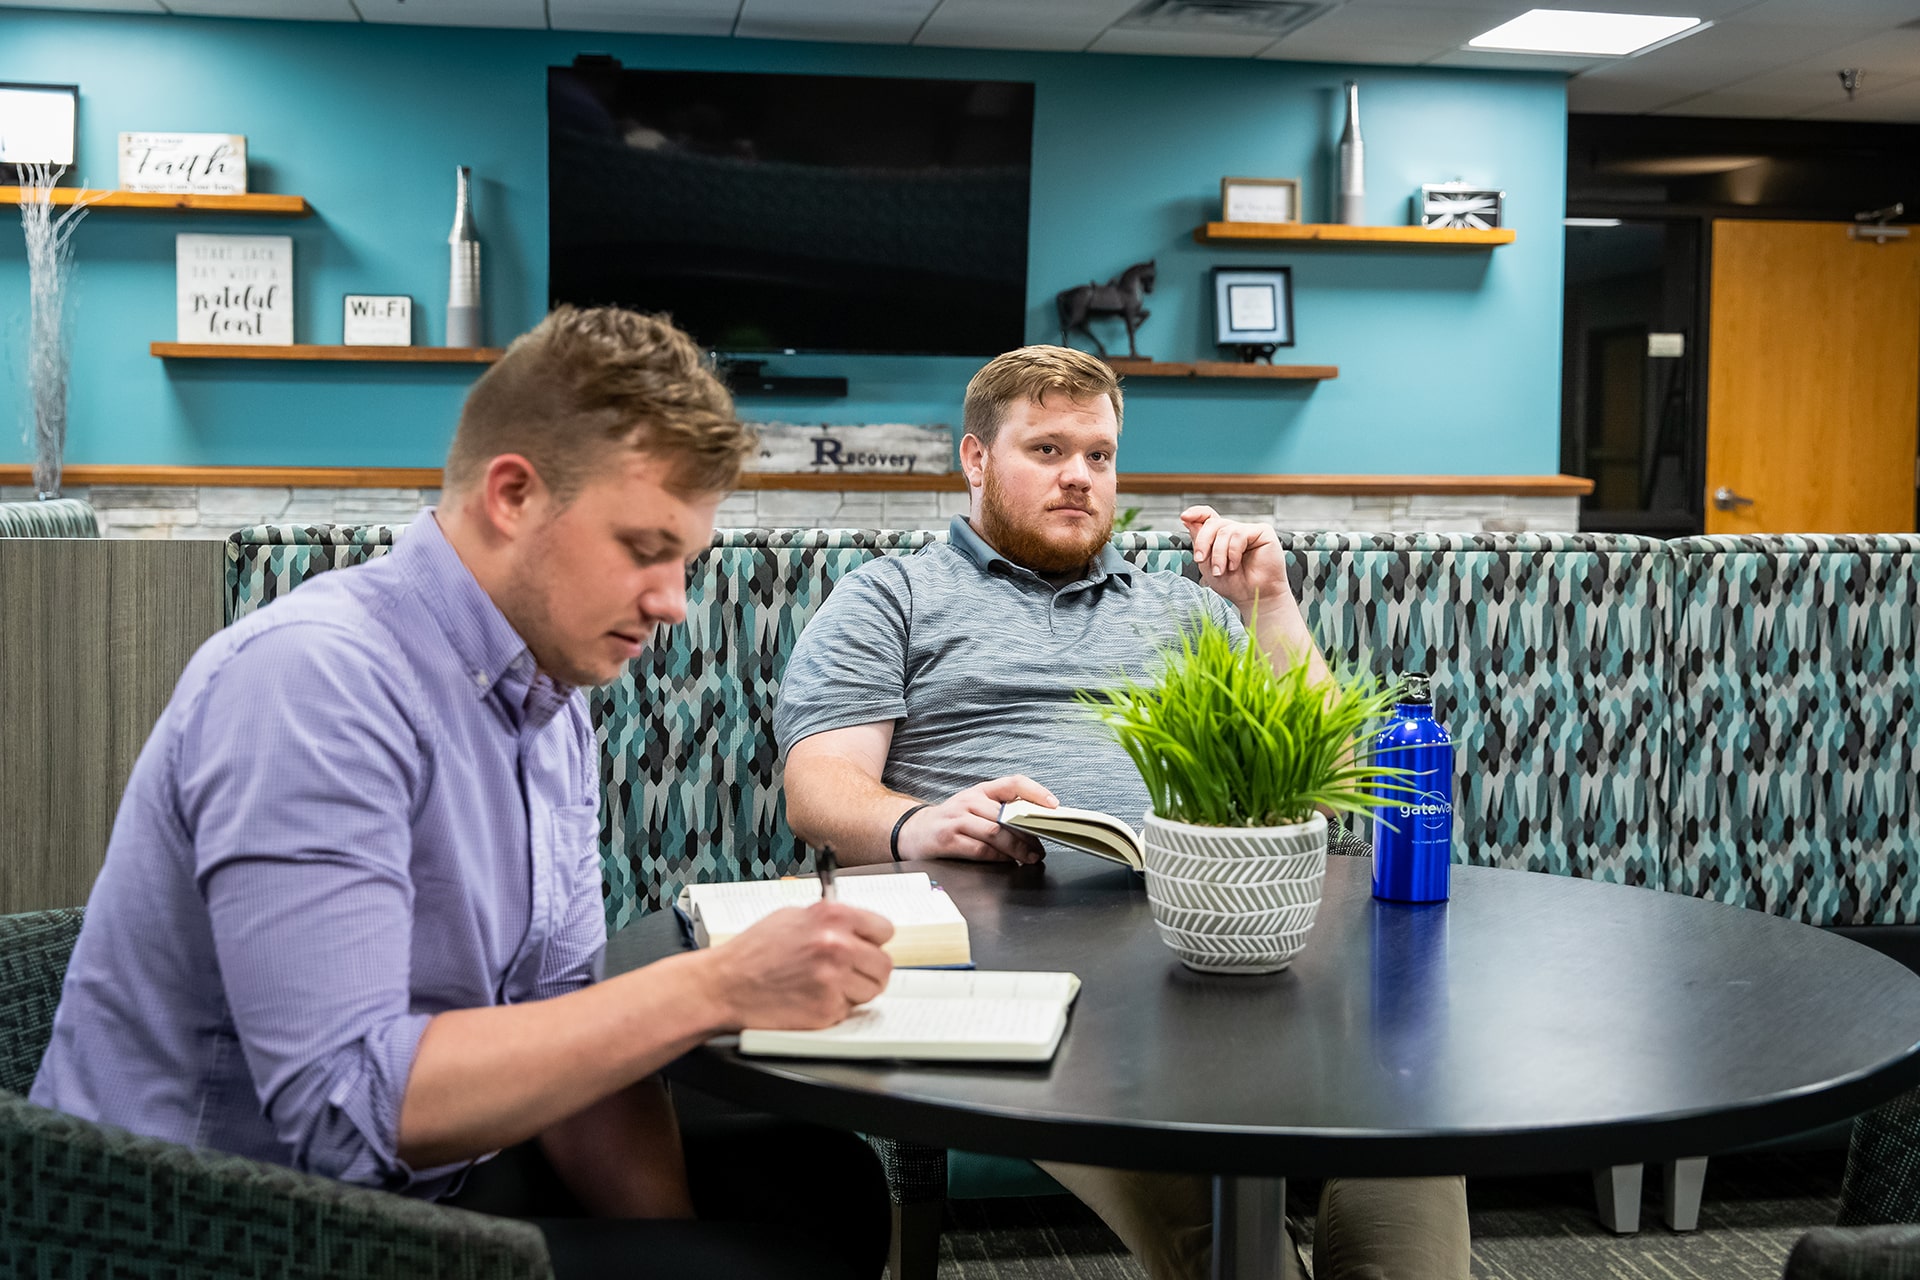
x=36, y=125
x=1253, y=306
x=1458, y=204
x=1260, y=199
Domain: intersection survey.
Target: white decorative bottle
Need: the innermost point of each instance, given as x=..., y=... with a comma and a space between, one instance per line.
x=1353, y=163
x=465, y=326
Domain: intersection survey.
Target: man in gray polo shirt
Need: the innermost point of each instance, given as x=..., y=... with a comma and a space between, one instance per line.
x=930, y=688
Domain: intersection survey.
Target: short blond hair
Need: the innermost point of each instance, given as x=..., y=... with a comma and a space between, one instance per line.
x=585, y=382
x=1032, y=374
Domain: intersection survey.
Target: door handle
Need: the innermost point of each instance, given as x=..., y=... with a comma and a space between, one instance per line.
x=1727, y=500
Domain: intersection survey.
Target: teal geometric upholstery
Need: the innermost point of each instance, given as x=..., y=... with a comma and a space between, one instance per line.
x=1882, y=1180
x=54, y=518
x=1549, y=660
x=1797, y=676
x=1731, y=718
x=81, y=1199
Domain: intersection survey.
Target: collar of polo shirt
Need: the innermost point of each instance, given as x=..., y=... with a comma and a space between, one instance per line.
x=964, y=539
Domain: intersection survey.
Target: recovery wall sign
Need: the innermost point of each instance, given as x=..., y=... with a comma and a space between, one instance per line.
x=889, y=448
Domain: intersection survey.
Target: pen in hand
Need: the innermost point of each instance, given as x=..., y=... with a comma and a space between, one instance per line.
x=825, y=864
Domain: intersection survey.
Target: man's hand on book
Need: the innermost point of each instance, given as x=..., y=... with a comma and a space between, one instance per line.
x=967, y=824
x=801, y=968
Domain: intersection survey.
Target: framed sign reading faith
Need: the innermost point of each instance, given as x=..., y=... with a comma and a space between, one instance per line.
x=36, y=125
x=1253, y=307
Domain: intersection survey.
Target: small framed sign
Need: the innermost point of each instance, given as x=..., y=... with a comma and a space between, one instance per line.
x=36, y=125
x=1253, y=306
x=1260, y=199
x=1459, y=204
x=205, y=163
x=235, y=289
x=378, y=320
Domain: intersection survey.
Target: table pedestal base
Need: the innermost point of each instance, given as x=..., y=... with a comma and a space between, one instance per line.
x=1250, y=1228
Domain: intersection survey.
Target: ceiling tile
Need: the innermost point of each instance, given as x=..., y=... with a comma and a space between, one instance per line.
x=653, y=17
x=1623, y=97
x=112, y=6
x=1021, y=24
x=1450, y=25
x=1896, y=105
x=867, y=21
x=1186, y=44
x=1488, y=61
x=1726, y=52
x=1373, y=53
x=1746, y=104
x=1837, y=13
x=296, y=10
x=456, y=13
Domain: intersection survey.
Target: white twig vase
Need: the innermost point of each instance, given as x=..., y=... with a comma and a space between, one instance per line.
x=1235, y=899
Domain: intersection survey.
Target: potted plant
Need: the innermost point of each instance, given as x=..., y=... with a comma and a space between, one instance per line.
x=1242, y=763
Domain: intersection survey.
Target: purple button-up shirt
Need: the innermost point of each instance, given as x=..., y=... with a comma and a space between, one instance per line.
x=363, y=806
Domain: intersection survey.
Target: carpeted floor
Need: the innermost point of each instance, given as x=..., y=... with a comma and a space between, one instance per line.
x=1523, y=1229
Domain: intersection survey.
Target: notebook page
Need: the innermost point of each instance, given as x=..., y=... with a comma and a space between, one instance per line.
x=894, y=1020
x=731, y=908
x=956, y=984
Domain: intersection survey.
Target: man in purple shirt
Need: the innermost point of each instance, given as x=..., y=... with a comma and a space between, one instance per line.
x=350, y=916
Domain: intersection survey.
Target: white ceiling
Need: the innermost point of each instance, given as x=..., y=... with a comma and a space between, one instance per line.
x=1764, y=58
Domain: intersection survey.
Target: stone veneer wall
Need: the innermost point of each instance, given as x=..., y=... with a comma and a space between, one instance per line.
x=213, y=511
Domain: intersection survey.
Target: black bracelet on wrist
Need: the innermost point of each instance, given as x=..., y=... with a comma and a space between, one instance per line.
x=893, y=841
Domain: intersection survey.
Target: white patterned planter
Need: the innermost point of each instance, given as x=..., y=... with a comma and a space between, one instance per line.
x=1235, y=899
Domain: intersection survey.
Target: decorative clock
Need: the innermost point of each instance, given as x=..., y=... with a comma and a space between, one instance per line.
x=1457, y=204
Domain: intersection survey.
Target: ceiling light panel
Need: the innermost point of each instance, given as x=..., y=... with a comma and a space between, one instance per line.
x=1583, y=34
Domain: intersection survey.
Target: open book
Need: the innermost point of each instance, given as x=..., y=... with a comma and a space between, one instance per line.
x=927, y=928
x=943, y=1017
x=1098, y=833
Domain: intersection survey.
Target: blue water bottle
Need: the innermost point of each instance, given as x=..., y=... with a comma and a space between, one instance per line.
x=1412, y=856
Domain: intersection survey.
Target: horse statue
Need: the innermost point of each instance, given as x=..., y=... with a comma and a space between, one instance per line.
x=1121, y=296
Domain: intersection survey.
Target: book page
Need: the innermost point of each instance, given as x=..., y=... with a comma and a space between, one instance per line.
x=1097, y=833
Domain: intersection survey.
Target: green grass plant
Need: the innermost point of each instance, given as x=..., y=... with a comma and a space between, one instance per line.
x=1221, y=739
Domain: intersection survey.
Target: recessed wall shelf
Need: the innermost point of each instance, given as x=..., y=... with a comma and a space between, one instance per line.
x=174, y=202
x=1221, y=369
x=321, y=351
x=1352, y=237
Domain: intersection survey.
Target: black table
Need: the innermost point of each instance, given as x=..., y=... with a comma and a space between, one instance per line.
x=1534, y=1023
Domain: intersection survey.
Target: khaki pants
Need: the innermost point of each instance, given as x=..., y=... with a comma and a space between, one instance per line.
x=1367, y=1229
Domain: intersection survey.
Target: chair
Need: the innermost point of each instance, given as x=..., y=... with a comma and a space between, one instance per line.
x=78, y=1198
x=54, y=518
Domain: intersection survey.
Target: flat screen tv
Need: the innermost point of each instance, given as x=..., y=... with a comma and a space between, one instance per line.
x=783, y=213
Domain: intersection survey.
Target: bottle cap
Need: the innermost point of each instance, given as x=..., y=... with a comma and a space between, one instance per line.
x=1416, y=687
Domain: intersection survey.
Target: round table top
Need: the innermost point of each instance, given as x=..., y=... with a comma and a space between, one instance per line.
x=1533, y=1023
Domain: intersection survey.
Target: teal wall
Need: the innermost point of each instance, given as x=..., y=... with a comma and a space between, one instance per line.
x=1449, y=363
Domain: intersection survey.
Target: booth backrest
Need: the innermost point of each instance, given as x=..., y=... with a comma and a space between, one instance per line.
x=1795, y=682
x=1548, y=653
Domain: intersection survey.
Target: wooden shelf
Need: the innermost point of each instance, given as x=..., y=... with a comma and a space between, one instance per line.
x=87, y=474
x=390, y=355
x=1310, y=233
x=1221, y=369
x=176, y=202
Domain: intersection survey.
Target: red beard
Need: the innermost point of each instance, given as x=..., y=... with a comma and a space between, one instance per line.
x=1027, y=545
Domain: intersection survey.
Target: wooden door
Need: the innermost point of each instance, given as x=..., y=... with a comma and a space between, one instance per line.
x=1813, y=380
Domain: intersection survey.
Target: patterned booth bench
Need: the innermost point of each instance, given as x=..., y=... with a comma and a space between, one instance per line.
x=1730, y=718
x=54, y=518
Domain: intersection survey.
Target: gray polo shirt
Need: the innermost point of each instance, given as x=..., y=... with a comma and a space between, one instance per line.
x=977, y=661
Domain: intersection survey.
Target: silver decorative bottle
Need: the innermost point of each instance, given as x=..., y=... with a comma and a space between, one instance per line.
x=1353, y=163
x=465, y=323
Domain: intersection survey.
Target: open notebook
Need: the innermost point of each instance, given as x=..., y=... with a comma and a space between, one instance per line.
x=927, y=928
x=939, y=1016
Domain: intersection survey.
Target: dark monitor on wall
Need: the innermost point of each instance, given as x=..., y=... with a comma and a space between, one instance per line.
x=774, y=213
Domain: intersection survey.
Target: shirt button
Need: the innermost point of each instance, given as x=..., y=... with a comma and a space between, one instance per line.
x=480, y=678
